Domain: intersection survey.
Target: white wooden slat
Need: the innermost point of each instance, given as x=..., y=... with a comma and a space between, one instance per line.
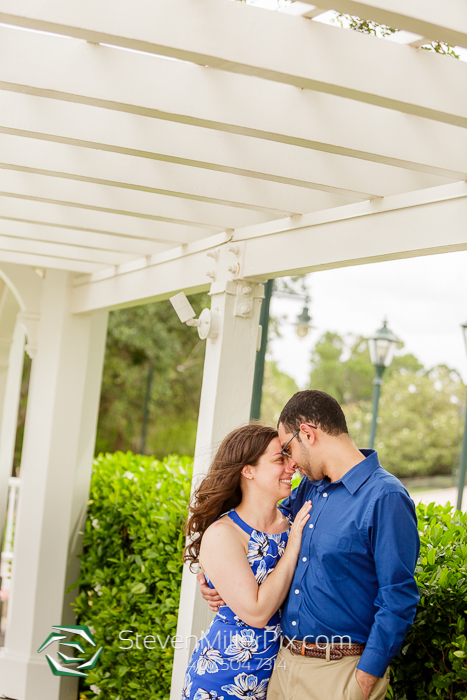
x=129, y=202
x=142, y=138
x=41, y=231
x=438, y=21
x=60, y=250
x=169, y=179
x=47, y=261
x=67, y=70
x=98, y=222
x=271, y=46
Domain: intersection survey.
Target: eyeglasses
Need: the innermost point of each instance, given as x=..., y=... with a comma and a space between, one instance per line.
x=287, y=454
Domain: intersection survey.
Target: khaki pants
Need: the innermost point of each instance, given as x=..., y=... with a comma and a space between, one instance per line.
x=306, y=678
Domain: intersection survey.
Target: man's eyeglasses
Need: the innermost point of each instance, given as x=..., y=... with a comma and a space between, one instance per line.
x=284, y=449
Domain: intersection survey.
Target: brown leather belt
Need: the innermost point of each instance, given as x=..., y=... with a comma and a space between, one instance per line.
x=329, y=651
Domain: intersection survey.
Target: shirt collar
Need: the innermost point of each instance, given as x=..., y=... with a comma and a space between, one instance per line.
x=362, y=471
x=356, y=476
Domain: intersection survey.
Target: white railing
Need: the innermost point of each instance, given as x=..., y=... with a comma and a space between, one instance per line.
x=6, y=559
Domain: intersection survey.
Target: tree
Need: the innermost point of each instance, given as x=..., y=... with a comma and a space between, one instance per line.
x=419, y=423
x=138, y=339
x=278, y=387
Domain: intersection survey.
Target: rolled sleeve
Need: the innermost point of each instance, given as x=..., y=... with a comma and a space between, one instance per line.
x=395, y=542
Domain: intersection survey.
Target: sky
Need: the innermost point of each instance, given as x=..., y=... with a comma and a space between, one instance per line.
x=424, y=300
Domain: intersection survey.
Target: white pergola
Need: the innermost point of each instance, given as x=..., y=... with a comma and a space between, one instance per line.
x=159, y=146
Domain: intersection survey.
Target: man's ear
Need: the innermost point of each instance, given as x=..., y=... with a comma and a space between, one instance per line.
x=309, y=434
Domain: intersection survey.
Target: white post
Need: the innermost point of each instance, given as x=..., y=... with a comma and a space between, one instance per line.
x=225, y=405
x=10, y=418
x=55, y=472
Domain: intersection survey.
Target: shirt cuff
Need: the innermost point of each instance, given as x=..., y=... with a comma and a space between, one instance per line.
x=374, y=663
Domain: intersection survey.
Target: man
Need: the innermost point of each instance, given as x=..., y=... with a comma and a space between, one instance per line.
x=353, y=596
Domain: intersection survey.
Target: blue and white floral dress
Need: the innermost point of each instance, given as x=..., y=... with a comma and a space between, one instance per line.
x=232, y=658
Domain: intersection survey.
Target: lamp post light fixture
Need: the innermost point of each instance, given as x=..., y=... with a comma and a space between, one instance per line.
x=382, y=347
x=463, y=462
x=303, y=323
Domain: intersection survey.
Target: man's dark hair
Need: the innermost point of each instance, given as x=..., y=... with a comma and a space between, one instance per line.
x=314, y=407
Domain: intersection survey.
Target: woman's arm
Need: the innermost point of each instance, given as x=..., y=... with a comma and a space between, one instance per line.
x=226, y=564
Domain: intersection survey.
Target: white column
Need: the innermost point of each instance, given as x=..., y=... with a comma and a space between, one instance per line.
x=225, y=405
x=55, y=472
x=10, y=418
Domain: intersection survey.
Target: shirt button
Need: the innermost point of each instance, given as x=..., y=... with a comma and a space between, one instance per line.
x=325, y=495
x=311, y=526
x=293, y=623
x=304, y=559
x=297, y=591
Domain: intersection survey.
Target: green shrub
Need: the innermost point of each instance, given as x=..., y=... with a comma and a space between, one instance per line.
x=131, y=571
x=433, y=660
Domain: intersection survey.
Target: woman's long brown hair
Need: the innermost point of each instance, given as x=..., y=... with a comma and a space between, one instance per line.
x=220, y=490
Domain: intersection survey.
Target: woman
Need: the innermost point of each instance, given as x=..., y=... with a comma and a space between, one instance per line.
x=248, y=552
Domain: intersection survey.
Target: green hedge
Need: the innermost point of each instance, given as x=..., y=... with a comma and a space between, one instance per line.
x=433, y=660
x=131, y=573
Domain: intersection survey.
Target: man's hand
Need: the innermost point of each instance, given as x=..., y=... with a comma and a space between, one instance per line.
x=366, y=682
x=210, y=595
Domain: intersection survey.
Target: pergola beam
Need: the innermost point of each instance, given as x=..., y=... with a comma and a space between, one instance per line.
x=174, y=91
x=417, y=223
x=273, y=47
x=150, y=279
x=436, y=21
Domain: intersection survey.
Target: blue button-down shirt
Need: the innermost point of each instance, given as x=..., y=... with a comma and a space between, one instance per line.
x=355, y=574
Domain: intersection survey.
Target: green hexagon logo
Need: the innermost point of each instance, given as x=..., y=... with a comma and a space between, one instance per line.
x=85, y=663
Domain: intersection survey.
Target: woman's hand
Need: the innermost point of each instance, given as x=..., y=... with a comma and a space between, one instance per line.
x=295, y=534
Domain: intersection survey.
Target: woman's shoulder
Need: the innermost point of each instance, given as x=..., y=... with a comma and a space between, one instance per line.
x=223, y=528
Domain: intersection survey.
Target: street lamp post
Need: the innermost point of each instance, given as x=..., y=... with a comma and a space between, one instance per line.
x=303, y=326
x=463, y=463
x=382, y=346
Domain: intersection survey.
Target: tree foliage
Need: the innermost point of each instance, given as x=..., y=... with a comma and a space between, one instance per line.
x=138, y=339
x=420, y=411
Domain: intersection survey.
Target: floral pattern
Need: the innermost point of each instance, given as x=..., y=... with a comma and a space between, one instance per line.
x=233, y=658
x=247, y=686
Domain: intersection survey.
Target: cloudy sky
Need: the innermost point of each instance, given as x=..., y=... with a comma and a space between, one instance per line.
x=424, y=300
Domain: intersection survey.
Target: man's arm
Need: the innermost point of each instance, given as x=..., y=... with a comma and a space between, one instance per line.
x=393, y=534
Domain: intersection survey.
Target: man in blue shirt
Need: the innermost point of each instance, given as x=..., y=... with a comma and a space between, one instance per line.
x=353, y=596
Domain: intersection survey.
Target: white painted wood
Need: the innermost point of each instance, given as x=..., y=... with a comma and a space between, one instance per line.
x=399, y=229
x=127, y=172
x=158, y=277
x=431, y=221
x=271, y=46
x=55, y=472
x=446, y=22
x=69, y=70
x=46, y=261
x=102, y=223
x=10, y=405
x=266, y=162
x=137, y=205
x=37, y=231
x=225, y=404
x=63, y=251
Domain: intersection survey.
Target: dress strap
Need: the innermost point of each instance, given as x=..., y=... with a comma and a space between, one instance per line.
x=241, y=523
